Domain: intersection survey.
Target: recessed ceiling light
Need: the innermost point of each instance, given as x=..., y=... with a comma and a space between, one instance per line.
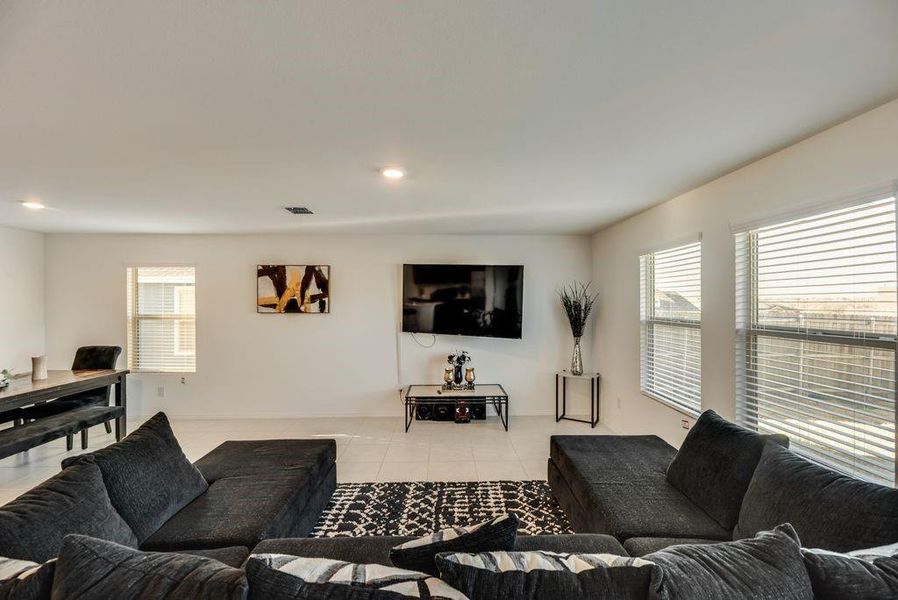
x=392, y=172
x=33, y=204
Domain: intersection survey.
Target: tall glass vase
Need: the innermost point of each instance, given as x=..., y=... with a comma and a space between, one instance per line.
x=577, y=359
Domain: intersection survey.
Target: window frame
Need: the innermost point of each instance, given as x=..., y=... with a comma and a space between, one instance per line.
x=132, y=318
x=648, y=320
x=748, y=333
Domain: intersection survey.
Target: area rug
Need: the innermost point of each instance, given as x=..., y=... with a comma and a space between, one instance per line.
x=419, y=508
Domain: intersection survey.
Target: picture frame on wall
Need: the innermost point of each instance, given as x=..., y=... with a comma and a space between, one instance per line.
x=293, y=289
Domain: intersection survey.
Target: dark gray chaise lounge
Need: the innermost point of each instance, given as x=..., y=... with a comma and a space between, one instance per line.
x=143, y=492
x=725, y=483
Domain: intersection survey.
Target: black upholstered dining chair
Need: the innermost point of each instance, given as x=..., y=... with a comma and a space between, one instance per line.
x=86, y=358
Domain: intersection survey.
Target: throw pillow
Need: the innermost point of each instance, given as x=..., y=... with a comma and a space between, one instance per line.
x=33, y=525
x=715, y=465
x=419, y=554
x=92, y=569
x=25, y=580
x=767, y=567
x=863, y=574
x=828, y=509
x=284, y=577
x=147, y=475
x=541, y=574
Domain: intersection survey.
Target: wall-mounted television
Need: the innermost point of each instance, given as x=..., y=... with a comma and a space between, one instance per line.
x=474, y=300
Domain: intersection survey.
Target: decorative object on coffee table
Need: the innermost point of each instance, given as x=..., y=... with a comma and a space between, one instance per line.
x=595, y=380
x=457, y=361
x=5, y=378
x=462, y=412
x=577, y=302
x=469, y=376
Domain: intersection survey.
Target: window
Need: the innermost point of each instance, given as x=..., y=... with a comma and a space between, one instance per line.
x=670, y=321
x=162, y=319
x=816, y=316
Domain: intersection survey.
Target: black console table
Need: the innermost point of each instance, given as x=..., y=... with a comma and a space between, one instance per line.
x=487, y=393
x=595, y=379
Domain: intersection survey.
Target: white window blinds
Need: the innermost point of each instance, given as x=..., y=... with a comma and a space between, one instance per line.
x=816, y=317
x=670, y=326
x=162, y=319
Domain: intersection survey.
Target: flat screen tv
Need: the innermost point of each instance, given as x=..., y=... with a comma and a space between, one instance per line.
x=474, y=300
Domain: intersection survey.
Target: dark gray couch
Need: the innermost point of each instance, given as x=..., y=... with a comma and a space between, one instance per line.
x=377, y=549
x=143, y=492
x=725, y=483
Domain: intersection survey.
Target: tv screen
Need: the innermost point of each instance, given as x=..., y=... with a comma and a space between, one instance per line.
x=475, y=300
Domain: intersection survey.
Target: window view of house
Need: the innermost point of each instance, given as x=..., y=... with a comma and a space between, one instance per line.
x=671, y=335
x=162, y=319
x=817, y=322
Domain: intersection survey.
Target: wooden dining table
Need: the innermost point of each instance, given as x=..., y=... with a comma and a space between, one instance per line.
x=23, y=391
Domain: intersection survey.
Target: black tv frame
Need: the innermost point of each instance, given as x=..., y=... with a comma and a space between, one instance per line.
x=402, y=319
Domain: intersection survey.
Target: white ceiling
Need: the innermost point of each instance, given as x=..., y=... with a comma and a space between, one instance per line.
x=511, y=116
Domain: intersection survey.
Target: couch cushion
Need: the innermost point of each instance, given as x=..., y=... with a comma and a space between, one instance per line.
x=621, y=487
x=868, y=575
x=147, y=475
x=640, y=546
x=538, y=575
x=418, y=554
x=828, y=510
x=26, y=580
x=249, y=457
x=33, y=525
x=240, y=511
x=283, y=577
x=90, y=569
x=768, y=566
x=715, y=465
x=377, y=549
x=233, y=556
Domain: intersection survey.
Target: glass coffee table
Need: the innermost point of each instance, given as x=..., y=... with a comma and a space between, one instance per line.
x=491, y=394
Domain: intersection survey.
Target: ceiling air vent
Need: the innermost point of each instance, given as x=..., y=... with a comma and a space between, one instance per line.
x=298, y=210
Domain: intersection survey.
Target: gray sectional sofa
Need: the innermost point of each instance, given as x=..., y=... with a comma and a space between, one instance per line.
x=143, y=492
x=138, y=520
x=725, y=483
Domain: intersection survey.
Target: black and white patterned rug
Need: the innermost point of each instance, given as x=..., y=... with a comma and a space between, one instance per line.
x=422, y=507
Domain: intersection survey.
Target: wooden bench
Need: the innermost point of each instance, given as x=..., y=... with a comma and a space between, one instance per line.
x=67, y=424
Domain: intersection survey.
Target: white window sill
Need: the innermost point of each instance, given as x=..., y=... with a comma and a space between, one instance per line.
x=691, y=413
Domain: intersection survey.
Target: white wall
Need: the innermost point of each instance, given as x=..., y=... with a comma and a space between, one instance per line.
x=344, y=363
x=841, y=161
x=21, y=298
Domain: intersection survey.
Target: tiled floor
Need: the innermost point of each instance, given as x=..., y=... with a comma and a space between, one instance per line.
x=368, y=449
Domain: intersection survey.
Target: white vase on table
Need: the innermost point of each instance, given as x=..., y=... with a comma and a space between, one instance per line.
x=38, y=368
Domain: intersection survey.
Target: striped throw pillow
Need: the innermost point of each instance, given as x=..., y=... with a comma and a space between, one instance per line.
x=285, y=576
x=542, y=574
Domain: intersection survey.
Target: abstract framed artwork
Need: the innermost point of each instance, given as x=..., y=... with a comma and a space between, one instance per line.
x=293, y=289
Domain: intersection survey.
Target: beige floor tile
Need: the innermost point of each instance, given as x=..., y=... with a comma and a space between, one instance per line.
x=532, y=451
x=352, y=472
x=403, y=471
x=364, y=453
x=535, y=469
x=451, y=471
x=450, y=453
x=494, y=453
x=407, y=453
x=501, y=470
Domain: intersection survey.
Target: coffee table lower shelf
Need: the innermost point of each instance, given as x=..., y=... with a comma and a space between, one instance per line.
x=491, y=394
